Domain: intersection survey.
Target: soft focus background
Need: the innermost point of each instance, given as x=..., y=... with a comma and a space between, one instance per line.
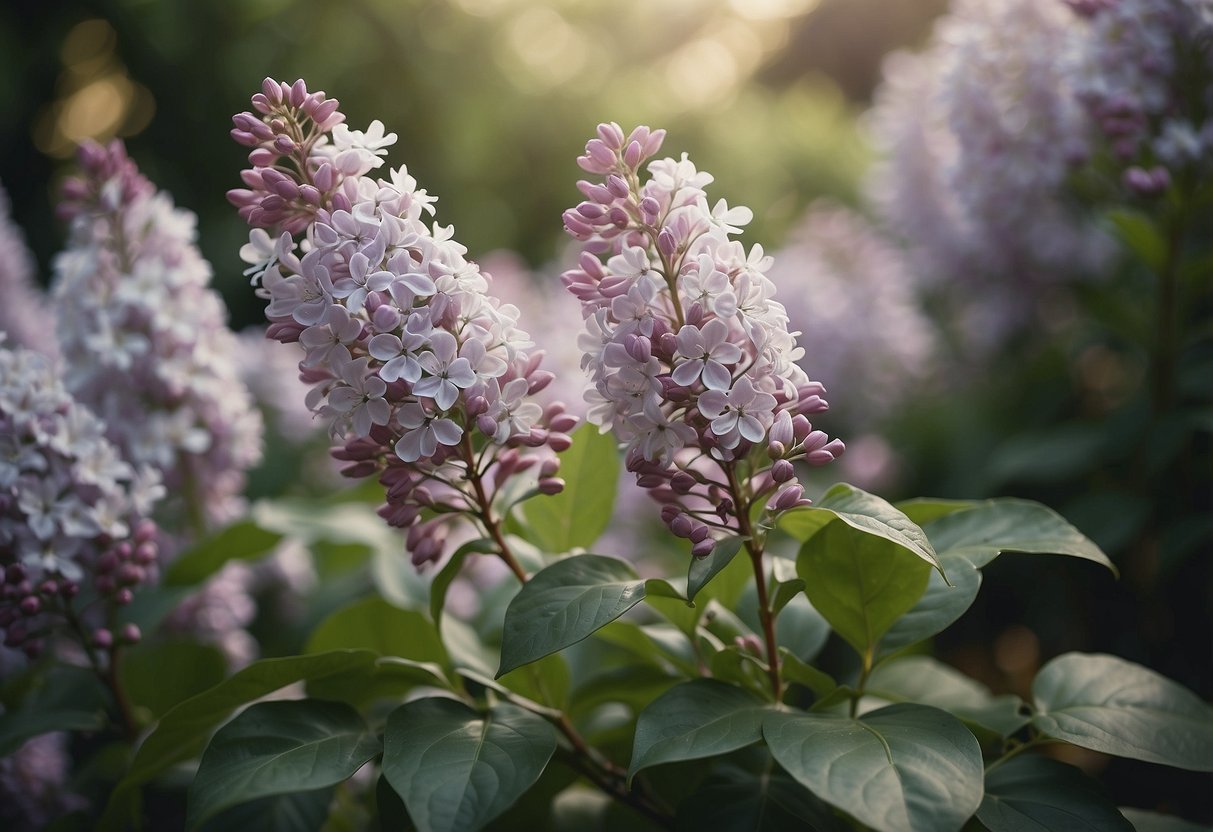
x=941, y=385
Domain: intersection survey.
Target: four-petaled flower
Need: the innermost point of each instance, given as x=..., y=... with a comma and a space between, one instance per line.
x=707, y=351
x=740, y=413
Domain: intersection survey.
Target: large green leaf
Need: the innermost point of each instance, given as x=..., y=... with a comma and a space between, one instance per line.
x=297, y=812
x=993, y=527
x=703, y=570
x=923, y=510
x=157, y=676
x=700, y=718
x=864, y=512
x=580, y=513
x=735, y=799
x=1108, y=704
x=861, y=582
x=926, y=681
x=455, y=769
x=276, y=748
x=565, y=603
x=183, y=731
x=450, y=570
x=904, y=768
x=64, y=699
x=244, y=540
x=1035, y=794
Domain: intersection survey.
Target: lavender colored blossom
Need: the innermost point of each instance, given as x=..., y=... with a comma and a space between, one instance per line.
x=72, y=511
x=219, y=614
x=145, y=341
x=424, y=377
x=271, y=373
x=980, y=133
x=853, y=297
x=688, y=354
x=34, y=783
x=24, y=312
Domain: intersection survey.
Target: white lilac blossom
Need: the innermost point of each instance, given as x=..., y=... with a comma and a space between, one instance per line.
x=980, y=133
x=145, y=340
x=73, y=513
x=219, y=614
x=850, y=292
x=422, y=375
x=23, y=308
x=688, y=354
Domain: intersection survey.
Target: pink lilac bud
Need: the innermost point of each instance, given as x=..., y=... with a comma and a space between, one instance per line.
x=782, y=471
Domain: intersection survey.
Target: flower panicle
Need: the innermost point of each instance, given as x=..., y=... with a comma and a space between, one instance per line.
x=688, y=353
x=424, y=378
x=145, y=340
x=74, y=516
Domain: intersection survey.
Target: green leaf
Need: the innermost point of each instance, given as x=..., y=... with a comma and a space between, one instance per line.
x=580, y=513
x=64, y=699
x=1108, y=704
x=374, y=624
x=656, y=643
x=904, y=768
x=926, y=681
x=672, y=605
x=276, y=748
x=159, y=675
x=1031, y=793
x=993, y=527
x=743, y=668
x=244, y=540
x=298, y=812
x=795, y=670
x=1144, y=821
x=862, y=583
x=735, y=799
x=703, y=570
x=697, y=719
x=864, y=512
x=448, y=573
x=923, y=510
x=545, y=681
x=455, y=769
x=1137, y=231
x=182, y=732
x=565, y=603
x=939, y=607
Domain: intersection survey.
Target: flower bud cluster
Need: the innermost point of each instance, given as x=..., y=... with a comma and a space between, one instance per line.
x=425, y=377
x=687, y=351
x=73, y=514
x=144, y=337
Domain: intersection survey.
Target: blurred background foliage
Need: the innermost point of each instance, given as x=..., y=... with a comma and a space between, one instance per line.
x=493, y=100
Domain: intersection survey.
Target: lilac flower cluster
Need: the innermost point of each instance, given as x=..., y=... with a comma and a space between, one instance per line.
x=23, y=312
x=838, y=269
x=145, y=340
x=980, y=134
x=688, y=353
x=73, y=514
x=34, y=783
x=425, y=377
x=1133, y=73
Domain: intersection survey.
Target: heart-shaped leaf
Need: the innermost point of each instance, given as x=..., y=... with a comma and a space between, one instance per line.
x=276, y=748
x=904, y=768
x=1108, y=704
x=565, y=603
x=456, y=769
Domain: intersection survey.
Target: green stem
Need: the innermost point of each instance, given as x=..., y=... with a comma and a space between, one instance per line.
x=868, y=661
x=754, y=547
x=1034, y=742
